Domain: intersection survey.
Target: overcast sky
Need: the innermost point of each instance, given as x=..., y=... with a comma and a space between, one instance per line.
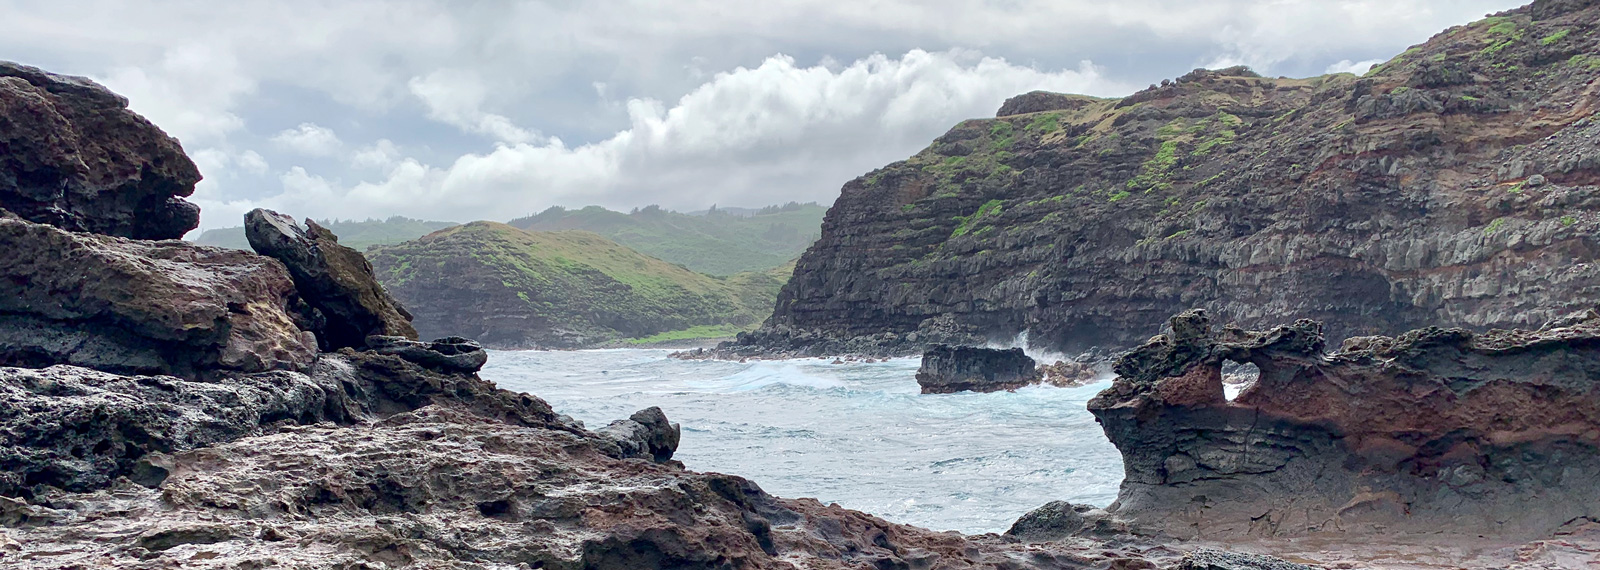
x=464, y=110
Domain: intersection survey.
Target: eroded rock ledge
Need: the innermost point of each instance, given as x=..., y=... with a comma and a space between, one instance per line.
x=1434, y=431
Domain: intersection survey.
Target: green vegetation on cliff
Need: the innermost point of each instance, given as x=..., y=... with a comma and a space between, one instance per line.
x=715, y=242
x=352, y=234
x=513, y=288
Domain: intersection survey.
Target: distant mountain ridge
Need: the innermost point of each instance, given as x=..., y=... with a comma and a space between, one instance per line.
x=718, y=241
x=358, y=235
x=512, y=288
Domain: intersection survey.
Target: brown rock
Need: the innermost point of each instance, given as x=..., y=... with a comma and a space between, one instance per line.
x=337, y=282
x=142, y=307
x=74, y=156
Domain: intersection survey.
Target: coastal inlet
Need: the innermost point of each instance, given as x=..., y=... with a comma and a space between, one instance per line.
x=856, y=434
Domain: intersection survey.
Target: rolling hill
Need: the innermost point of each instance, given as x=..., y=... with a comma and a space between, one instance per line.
x=512, y=288
x=716, y=242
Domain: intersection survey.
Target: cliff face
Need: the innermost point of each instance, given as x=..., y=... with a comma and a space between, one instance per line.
x=1453, y=185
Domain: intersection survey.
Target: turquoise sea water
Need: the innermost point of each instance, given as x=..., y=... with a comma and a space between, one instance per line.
x=856, y=434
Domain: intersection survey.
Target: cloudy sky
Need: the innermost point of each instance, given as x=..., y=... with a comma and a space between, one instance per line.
x=462, y=109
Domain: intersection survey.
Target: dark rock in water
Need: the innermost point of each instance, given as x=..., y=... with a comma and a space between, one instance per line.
x=336, y=281
x=647, y=433
x=75, y=157
x=142, y=307
x=1053, y=521
x=948, y=369
x=1434, y=431
x=449, y=354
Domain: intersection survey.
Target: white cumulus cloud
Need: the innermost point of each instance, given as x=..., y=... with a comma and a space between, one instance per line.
x=310, y=139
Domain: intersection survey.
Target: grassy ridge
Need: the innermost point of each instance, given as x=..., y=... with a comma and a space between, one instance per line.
x=717, y=242
x=514, y=288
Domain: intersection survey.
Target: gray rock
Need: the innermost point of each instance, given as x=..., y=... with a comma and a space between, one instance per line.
x=647, y=433
x=1210, y=559
x=1053, y=521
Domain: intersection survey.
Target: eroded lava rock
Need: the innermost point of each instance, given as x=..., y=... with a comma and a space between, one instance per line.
x=142, y=307
x=1433, y=431
x=72, y=155
x=948, y=369
x=347, y=303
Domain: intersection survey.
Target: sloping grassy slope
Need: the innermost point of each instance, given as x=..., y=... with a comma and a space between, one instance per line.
x=513, y=288
x=715, y=243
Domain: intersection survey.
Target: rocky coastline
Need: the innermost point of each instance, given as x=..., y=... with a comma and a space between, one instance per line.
x=1454, y=185
x=164, y=405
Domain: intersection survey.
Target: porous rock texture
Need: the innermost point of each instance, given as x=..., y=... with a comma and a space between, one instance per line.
x=347, y=303
x=142, y=307
x=1436, y=431
x=67, y=428
x=948, y=369
x=1454, y=185
x=72, y=155
x=439, y=488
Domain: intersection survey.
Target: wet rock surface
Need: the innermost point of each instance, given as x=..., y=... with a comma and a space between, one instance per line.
x=1433, y=431
x=1378, y=204
x=75, y=157
x=949, y=369
x=142, y=307
x=347, y=304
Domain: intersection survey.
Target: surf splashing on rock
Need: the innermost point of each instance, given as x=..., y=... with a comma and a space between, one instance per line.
x=857, y=434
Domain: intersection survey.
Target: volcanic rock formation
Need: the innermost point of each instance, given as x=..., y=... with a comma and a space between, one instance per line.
x=1433, y=431
x=72, y=155
x=142, y=307
x=1454, y=185
x=347, y=304
x=948, y=369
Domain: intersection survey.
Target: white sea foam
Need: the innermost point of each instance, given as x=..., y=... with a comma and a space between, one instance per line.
x=857, y=434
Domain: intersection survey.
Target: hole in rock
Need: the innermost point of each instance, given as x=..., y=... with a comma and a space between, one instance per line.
x=1237, y=377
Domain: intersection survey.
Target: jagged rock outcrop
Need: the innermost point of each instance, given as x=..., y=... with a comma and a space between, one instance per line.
x=347, y=304
x=948, y=369
x=1433, y=431
x=1454, y=185
x=647, y=433
x=142, y=307
x=449, y=354
x=72, y=155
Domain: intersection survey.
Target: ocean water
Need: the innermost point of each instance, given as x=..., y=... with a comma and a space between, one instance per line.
x=855, y=434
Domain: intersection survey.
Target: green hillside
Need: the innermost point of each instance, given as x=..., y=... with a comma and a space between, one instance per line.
x=715, y=242
x=353, y=234
x=518, y=289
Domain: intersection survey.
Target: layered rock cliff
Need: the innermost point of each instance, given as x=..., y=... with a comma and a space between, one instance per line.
x=1454, y=185
x=1436, y=431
